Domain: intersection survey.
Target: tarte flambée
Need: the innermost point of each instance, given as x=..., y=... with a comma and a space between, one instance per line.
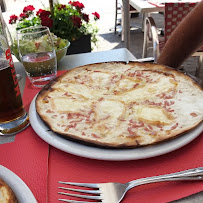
x=121, y=105
x=6, y=193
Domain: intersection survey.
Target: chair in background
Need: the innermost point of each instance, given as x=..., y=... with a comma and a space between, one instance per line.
x=118, y=15
x=174, y=13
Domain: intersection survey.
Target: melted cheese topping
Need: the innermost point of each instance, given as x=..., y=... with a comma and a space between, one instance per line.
x=149, y=91
x=4, y=196
x=109, y=109
x=152, y=115
x=122, y=105
x=6, y=193
x=63, y=105
x=128, y=83
x=164, y=84
x=100, y=78
x=79, y=89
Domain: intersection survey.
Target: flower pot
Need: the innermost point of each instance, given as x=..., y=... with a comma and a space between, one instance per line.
x=81, y=45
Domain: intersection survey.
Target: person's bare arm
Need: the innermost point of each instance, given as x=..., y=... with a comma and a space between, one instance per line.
x=185, y=39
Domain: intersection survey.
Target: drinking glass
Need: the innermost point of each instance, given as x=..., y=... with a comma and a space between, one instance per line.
x=37, y=53
x=13, y=117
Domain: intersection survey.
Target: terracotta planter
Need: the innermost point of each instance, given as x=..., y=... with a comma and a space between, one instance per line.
x=82, y=45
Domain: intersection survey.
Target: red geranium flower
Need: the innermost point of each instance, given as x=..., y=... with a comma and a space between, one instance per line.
x=28, y=9
x=85, y=17
x=46, y=21
x=43, y=13
x=22, y=16
x=13, y=19
x=96, y=15
x=77, y=4
x=65, y=22
x=76, y=21
x=61, y=6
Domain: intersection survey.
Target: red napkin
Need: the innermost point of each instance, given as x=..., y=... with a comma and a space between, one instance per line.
x=27, y=156
x=67, y=167
x=156, y=3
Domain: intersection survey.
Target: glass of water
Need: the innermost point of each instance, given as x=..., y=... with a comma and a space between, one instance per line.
x=37, y=53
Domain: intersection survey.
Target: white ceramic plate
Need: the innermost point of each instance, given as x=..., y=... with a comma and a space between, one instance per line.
x=20, y=189
x=107, y=154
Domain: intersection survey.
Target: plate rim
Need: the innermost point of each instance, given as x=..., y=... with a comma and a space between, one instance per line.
x=93, y=152
x=21, y=190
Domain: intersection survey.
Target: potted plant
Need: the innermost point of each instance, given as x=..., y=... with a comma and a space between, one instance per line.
x=65, y=21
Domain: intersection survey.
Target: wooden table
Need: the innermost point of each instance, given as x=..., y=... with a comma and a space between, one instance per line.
x=141, y=6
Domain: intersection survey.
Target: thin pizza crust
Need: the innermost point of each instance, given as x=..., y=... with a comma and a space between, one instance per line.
x=121, y=105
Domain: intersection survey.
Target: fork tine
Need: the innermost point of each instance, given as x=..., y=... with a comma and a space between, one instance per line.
x=90, y=185
x=81, y=196
x=74, y=201
x=83, y=191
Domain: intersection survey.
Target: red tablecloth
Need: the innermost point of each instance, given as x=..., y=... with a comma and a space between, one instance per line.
x=28, y=158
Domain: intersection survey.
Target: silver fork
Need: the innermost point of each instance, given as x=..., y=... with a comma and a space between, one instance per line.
x=114, y=192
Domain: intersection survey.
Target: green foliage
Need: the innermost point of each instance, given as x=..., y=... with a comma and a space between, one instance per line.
x=65, y=27
x=65, y=21
x=34, y=21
